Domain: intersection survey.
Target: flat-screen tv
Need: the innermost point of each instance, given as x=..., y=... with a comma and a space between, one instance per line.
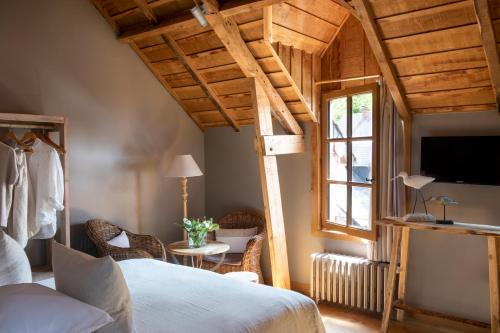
x=461, y=159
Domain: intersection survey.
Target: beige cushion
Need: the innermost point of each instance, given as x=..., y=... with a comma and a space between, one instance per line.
x=95, y=281
x=14, y=264
x=237, y=239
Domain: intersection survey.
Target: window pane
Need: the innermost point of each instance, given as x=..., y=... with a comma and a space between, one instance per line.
x=337, y=204
x=361, y=161
x=337, y=125
x=361, y=207
x=337, y=161
x=362, y=115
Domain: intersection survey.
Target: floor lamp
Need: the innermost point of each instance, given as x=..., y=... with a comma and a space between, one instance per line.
x=184, y=167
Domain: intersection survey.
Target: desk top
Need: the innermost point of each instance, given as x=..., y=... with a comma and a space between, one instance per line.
x=456, y=228
x=182, y=248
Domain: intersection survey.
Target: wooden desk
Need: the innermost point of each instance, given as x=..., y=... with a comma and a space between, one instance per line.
x=400, y=248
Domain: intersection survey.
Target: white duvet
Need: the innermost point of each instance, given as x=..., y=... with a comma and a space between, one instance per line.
x=171, y=298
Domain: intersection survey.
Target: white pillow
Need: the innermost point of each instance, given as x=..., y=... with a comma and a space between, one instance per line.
x=95, y=281
x=14, y=264
x=120, y=241
x=32, y=308
x=237, y=239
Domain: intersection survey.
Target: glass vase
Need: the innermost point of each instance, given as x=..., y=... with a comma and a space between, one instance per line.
x=196, y=240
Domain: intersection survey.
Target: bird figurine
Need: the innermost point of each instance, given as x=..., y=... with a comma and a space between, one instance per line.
x=416, y=182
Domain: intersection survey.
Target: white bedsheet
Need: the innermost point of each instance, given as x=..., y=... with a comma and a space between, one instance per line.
x=171, y=298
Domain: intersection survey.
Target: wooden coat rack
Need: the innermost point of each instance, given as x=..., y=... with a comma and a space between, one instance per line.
x=54, y=124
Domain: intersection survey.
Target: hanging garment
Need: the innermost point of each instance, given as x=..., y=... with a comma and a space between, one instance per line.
x=23, y=205
x=48, y=187
x=8, y=177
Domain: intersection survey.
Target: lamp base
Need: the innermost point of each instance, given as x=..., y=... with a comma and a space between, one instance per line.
x=444, y=222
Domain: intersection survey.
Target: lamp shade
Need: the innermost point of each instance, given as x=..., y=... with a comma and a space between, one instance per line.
x=183, y=166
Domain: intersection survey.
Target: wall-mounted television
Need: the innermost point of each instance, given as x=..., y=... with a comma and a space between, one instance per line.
x=461, y=159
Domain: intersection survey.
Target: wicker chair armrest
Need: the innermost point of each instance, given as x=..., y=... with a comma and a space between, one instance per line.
x=149, y=243
x=124, y=254
x=253, y=249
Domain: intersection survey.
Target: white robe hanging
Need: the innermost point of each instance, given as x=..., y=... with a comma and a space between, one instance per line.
x=48, y=188
x=22, y=225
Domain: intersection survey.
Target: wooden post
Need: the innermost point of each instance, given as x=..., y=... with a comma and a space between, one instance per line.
x=391, y=280
x=493, y=255
x=271, y=194
x=65, y=217
x=403, y=270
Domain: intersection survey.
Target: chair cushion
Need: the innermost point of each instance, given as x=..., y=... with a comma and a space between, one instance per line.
x=14, y=264
x=237, y=239
x=95, y=281
x=120, y=241
x=234, y=259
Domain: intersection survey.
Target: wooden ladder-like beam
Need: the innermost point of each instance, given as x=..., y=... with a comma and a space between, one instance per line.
x=268, y=168
x=489, y=44
x=227, y=30
x=366, y=17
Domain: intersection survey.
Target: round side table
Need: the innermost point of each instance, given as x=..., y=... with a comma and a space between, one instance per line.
x=182, y=248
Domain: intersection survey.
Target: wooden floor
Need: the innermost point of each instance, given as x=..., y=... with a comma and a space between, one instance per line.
x=339, y=320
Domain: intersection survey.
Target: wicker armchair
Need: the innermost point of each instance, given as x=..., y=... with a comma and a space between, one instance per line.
x=250, y=260
x=141, y=246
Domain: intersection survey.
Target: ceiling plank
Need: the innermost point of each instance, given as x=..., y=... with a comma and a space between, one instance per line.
x=185, y=21
x=146, y=10
x=380, y=52
x=349, y=8
x=294, y=87
x=99, y=6
x=489, y=44
x=204, y=84
x=165, y=83
x=228, y=32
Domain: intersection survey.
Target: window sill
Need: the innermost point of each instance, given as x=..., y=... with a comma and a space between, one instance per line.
x=323, y=233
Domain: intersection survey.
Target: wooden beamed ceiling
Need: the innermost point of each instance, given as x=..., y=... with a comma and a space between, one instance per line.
x=443, y=54
x=197, y=69
x=436, y=55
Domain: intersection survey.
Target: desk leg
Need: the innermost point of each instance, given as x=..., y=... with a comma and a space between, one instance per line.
x=403, y=269
x=391, y=280
x=493, y=250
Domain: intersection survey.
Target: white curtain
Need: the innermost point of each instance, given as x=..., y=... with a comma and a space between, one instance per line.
x=391, y=194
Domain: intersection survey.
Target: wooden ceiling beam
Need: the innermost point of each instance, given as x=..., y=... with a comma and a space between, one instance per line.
x=209, y=91
x=373, y=35
x=283, y=144
x=146, y=10
x=227, y=30
x=487, y=30
x=164, y=83
x=347, y=6
x=185, y=20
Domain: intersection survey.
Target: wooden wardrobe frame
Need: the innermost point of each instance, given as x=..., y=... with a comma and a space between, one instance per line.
x=54, y=124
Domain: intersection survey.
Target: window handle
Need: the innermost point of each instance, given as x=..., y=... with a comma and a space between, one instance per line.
x=370, y=180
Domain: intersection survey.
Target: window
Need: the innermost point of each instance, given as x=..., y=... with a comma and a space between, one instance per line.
x=348, y=155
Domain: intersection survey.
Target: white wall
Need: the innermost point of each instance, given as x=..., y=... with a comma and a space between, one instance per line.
x=232, y=181
x=450, y=272
x=447, y=273
x=60, y=57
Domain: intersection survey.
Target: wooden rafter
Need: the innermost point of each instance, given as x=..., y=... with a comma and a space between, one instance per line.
x=227, y=30
x=367, y=20
x=146, y=10
x=271, y=192
x=294, y=86
x=209, y=91
x=489, y=44
x=185, y=20
x=164, y=83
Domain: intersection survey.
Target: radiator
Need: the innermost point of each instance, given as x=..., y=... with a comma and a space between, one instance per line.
x=350, y=281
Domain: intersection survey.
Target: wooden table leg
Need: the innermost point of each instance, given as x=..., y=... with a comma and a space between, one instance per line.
x=391, y=280
x=403, y=269
x=493, y=248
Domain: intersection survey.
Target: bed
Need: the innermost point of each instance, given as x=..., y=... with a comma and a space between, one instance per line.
x=173, y=298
